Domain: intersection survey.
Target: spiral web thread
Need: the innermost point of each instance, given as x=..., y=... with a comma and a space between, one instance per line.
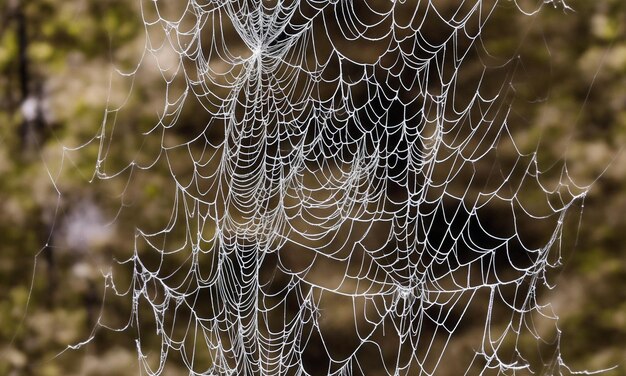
x=335, y=214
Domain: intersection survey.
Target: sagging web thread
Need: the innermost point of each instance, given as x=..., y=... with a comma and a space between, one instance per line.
x=338, y=186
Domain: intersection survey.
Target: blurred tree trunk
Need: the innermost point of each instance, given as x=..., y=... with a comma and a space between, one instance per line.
x=33, y=123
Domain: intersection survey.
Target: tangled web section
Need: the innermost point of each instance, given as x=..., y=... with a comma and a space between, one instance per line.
x=348, y=199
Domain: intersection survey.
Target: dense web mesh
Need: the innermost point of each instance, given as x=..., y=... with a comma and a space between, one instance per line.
x=346, y=205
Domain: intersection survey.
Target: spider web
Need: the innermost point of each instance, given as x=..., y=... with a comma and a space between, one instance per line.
x=340, y=207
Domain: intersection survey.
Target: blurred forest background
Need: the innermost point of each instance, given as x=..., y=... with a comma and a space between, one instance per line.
x=56, y=59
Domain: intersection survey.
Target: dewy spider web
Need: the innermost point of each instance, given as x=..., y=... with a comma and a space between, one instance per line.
x=334, y=211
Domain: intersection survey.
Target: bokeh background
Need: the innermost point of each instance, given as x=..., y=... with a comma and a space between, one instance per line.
x=56, y=240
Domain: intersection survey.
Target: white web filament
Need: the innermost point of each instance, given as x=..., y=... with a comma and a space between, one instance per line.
x=345, y=209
